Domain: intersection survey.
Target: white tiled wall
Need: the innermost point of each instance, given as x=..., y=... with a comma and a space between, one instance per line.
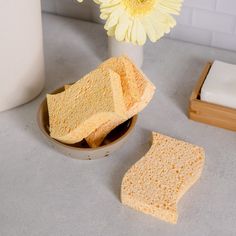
x=208, y=22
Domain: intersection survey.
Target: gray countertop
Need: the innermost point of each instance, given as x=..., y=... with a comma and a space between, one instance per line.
x=43, y=192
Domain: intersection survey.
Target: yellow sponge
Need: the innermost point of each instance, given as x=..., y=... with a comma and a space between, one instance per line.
x=155, y=184
x=122, y=66
x=92, y=101
x=137, y=90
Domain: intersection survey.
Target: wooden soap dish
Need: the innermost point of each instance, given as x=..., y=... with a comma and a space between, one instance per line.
x=209, y=113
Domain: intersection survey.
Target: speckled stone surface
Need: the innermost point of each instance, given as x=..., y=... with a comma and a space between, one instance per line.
x=43, y=193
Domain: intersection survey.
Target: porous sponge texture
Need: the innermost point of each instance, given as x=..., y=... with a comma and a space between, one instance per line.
x=146, y=91
x=92, y=101
x=137, y=90
x=155, y=184
x=122, y=66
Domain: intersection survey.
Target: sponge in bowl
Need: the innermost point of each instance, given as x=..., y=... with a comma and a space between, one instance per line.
x=92, y=101
x=138, y=92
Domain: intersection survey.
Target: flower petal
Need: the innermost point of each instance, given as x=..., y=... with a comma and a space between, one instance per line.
x=122, y=28
x=141, y=34
x=135, y=28
x=113, y=18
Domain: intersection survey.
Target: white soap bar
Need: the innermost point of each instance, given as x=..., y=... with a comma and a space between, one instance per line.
x=220, y=85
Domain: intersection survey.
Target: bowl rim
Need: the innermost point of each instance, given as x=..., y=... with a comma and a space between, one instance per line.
x=133, y=121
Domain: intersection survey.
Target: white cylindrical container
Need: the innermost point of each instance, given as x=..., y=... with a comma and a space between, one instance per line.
x=116, y=48
x=21, y=52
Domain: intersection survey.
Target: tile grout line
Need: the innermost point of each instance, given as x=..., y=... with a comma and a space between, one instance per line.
x=216, y=12
x=234, y=33
x=216, y=4
x=191, y=20
x=213, y=32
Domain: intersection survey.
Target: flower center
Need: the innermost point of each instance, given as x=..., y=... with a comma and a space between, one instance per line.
x=138, y=7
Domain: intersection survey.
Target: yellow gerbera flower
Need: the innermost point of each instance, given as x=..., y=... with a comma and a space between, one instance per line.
x=134, y=20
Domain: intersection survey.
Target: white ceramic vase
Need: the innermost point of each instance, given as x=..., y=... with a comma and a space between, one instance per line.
x=116, y=48
x=21, y=52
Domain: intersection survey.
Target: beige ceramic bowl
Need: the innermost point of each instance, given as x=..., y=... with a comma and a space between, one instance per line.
x=80, y=150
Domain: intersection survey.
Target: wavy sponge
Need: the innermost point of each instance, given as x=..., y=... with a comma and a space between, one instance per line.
x=155, y=184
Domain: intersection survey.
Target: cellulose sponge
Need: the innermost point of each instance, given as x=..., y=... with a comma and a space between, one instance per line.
x=123, y=67
x=138, y=92
x=155, y=184
x=92, y=101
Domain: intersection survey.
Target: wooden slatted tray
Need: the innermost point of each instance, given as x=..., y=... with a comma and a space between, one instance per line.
x=209, y=113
